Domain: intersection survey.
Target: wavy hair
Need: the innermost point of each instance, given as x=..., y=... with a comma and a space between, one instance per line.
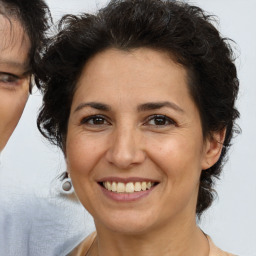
x=185, y=32
x=35, y=18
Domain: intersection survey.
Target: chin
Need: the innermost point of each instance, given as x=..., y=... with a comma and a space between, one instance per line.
x=128, y=224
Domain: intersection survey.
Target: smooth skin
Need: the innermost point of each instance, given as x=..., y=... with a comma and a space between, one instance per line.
x=132, y=116
x=14, y=76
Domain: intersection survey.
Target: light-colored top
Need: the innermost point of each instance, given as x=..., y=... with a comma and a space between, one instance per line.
x=33, y=222
x=83, y=248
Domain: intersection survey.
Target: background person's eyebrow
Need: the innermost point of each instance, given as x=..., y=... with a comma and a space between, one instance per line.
x=95, y=105
x=14, y=63
x=22, y=68
x=158, y=105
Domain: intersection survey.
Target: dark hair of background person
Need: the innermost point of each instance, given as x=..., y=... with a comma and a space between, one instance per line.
x=185, y=32
x=35, y=18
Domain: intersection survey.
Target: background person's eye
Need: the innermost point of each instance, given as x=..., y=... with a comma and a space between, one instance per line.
x=8, y=78
x=10, y=81
x=94, y=120
x=159, y=120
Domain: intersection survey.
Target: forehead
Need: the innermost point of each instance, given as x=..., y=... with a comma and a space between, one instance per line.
x=147, y=67
x=14, y=44
x=139, y=75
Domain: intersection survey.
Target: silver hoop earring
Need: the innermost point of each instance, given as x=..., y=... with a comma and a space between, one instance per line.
x=66, y=186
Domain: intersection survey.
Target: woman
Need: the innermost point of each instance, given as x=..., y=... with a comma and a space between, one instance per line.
x=140, y=98
x=29, y=224
x=22, y=26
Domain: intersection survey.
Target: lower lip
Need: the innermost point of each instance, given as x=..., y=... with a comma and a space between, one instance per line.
x=126, y=197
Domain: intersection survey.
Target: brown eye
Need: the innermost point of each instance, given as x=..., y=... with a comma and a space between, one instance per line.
x=95, y=120
x=160, y=120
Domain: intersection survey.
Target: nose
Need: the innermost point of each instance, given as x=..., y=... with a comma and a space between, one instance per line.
x=126, y=148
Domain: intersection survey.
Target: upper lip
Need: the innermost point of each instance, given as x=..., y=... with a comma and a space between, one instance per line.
x=126, y=180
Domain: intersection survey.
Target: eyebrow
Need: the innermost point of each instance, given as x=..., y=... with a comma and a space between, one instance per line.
x=143, y=107
x=12, y=63
x=95, y=105
x=157, y=105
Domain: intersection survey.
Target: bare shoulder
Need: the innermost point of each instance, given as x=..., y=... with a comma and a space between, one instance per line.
x=84, y=246
x=215, y=251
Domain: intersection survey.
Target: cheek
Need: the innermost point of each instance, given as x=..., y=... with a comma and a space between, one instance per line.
x=11, y=107
x=12, y=103
x=178, y=157
x=82, y=152
x=178, y=160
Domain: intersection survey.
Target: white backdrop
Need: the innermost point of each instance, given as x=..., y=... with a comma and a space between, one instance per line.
x=231, y=221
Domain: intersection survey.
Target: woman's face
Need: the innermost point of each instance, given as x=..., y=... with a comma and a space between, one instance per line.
x=14, y=79
x=134, y=147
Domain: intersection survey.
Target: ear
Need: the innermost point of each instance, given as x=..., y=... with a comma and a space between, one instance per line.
x=213, y=148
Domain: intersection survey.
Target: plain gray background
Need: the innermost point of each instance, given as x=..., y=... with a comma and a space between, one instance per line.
x=231, y=221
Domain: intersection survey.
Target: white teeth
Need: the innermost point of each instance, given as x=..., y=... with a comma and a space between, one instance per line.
x=129, y=187
x=108, y=185
x=114, y=187
x=120, y=187
x=143, y=186
x=137, y=186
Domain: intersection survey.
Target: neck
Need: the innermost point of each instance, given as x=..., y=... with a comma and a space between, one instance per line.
x=181, y=239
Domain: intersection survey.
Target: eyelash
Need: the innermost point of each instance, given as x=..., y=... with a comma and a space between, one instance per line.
x=86, y=120
x=167, y=120
x=9, y=80
x=156, y=118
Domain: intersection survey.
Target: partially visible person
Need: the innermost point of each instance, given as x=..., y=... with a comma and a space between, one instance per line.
x=29, y=225
x=140, y=97
x=22, y=26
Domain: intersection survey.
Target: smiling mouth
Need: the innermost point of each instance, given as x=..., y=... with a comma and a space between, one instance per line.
x=129, y=187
